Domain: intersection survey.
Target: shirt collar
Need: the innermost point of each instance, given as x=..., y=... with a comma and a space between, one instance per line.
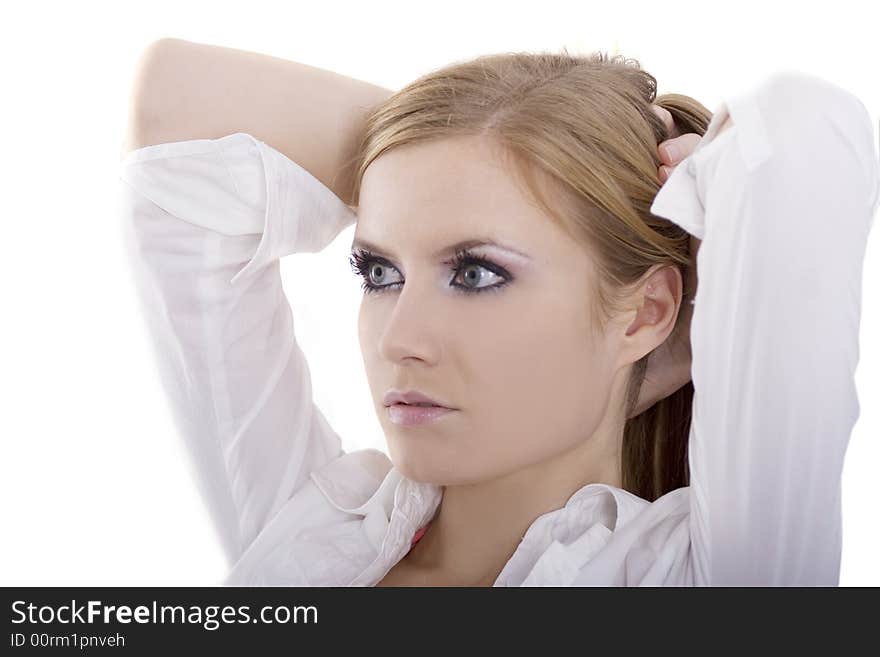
x=554, y=548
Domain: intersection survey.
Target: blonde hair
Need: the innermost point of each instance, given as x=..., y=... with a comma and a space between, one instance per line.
x=582, y=138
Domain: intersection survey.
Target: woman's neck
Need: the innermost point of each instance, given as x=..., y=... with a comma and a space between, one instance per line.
x=478, y=527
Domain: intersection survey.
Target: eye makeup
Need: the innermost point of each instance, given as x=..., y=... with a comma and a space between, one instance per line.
x=362, y=261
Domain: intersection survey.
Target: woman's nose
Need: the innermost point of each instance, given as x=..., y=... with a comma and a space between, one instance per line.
x=412, y=329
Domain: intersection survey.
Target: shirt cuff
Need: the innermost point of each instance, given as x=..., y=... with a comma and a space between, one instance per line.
x=301, y=213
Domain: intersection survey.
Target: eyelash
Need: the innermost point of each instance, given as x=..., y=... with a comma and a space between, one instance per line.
x=361, y=259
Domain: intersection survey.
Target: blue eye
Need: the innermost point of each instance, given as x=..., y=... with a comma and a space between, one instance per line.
x=368, y=265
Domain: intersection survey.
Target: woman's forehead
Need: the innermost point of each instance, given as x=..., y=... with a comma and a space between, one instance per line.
x=447, y=173
x=447, y=190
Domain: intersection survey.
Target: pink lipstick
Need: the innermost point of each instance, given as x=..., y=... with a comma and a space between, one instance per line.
x=408, y=415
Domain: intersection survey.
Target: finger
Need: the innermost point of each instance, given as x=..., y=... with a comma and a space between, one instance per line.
x=673, y=151
x=665, y=116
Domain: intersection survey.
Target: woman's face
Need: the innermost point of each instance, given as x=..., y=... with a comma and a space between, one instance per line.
x=507, y=344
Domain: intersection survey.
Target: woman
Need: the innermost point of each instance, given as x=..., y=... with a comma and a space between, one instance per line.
x=559, y=446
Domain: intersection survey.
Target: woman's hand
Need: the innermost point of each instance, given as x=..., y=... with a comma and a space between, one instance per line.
x=669, y=365
x=675, y=149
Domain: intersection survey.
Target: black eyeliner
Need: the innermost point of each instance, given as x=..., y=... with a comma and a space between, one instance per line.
x=361, y=259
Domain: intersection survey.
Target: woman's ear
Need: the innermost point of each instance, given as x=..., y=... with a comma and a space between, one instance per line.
x=657, y=300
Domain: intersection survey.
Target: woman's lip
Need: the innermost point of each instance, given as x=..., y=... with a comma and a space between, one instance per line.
x=410, y=414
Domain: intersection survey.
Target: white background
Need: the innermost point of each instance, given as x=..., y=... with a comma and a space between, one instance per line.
x=95, y=486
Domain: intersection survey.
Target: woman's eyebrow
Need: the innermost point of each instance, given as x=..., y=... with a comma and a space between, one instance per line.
x=445, y=251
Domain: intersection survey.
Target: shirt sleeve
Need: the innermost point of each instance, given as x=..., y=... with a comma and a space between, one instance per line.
x=783, y=203
x=205, y=224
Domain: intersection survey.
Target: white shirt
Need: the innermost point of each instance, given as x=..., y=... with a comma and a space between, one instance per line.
x=774, y=341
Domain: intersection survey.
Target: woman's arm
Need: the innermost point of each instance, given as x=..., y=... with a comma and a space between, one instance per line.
x=186, y=90
x=783, y=209
x=206, y=223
